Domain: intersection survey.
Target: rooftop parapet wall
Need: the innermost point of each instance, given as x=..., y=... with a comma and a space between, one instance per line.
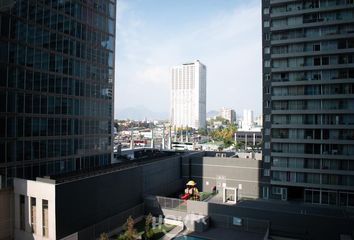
x=219, y=172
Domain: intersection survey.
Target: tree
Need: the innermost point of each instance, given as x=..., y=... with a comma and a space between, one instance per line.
x=149, y=232
x=104, y=236
x=224, y=134
x=130, y=232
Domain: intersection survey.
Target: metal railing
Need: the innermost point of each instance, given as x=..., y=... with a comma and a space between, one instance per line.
x=172, y=203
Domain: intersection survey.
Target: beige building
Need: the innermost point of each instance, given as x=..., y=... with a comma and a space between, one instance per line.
x=228, y=113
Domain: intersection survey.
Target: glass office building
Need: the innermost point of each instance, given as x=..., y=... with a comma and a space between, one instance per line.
x=308, y=100
x=56, y=86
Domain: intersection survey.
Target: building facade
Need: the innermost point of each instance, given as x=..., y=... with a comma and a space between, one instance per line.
x=247, y=119
x=56, y=86
x=188, y=95
x=229, y=114
x=308, y=101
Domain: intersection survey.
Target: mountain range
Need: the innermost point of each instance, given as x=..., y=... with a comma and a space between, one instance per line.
x=141, y=113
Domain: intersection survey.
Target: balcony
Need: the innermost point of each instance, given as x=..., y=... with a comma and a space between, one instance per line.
x=305, y=67
x=311, y=185
x=303, y=38
x=313, y=170
x=313, y=141
x=316, y=156
x=313, y=97
x=311, y=53
x=310, y=81
x=312, y=126
x=309, y=9
x=273, y=2
x=311, y=23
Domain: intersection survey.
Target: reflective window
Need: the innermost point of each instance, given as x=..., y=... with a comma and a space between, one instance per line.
x=28, y=126
x=112, y=10
x=28, y=103
x=44, y=82
x=111, y=26
x=36, y=104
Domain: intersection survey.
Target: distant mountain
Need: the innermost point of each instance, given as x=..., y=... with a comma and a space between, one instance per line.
x=140, y=113
x=212, y=113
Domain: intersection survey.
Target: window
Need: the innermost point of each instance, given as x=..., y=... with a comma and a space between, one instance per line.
x=267, y=50
x=267, y=158
x=267, y=77
x=317, y=61
x=266, y=36
x=45, y=218
x=316, y=47
x=267, y=145
x=267, y=104
x=325, y=60
x=267, y=90
x=266, y=11
x=267, y=63
x=33, y=214
x=276, y=190
x=267, y=131
x=267, y=118
x=265, y=192
x=237, y=221
x=266, y=24
x=22, y=212
x=266, y=172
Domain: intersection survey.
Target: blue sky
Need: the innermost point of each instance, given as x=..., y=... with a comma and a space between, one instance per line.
x=154, y=35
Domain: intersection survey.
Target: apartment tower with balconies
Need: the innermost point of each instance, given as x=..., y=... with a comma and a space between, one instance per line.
x=308, y=101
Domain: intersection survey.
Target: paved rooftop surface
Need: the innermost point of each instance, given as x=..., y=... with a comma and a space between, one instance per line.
x=291, y=207
x=227, y=234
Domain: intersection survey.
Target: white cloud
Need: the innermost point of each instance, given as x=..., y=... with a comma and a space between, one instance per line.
x=153, y=74
x=229, y=44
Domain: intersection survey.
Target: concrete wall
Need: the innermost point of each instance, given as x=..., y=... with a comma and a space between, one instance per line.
x=230, y=172
x=88, y=201
x=6, y=214
x=83, y=203
x=163, y=177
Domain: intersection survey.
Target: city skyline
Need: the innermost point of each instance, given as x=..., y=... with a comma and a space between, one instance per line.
x=213, y=32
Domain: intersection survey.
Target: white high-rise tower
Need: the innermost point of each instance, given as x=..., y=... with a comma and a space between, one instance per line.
x=188, y=95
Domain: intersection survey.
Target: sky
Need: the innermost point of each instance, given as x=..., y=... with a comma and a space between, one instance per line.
x=154, y=35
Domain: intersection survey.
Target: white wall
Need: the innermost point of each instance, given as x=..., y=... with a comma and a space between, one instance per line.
x=40, y=191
